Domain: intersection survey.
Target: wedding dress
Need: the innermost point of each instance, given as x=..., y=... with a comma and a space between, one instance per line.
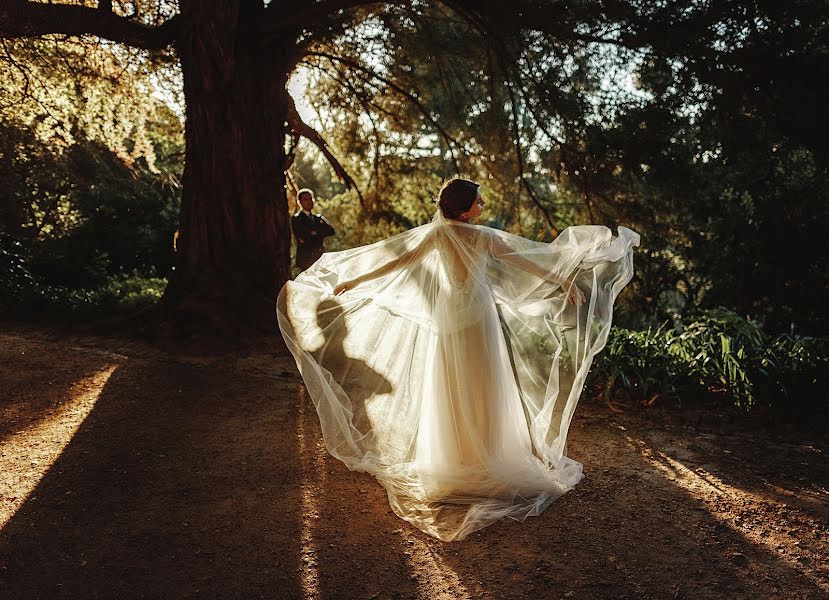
x=452, y=377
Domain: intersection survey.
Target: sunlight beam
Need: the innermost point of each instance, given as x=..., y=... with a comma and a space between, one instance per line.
x=27, y=456
x=433, y=572
x=724, y=501
x=313, y=477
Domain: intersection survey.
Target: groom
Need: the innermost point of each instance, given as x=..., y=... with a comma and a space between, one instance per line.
x=309, y=231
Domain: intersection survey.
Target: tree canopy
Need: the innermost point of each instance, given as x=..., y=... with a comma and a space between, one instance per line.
x=695, y=123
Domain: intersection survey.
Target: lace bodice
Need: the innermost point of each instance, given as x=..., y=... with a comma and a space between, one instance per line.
x=463, y=258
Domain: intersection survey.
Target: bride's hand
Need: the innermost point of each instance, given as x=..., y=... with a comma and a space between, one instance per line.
x=343, y=287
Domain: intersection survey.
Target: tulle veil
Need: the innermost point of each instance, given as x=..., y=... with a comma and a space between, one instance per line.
x=452, y=377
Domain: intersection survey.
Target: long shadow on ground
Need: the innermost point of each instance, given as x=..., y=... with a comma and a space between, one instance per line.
x=213, y=482
x=629, y=530
x=175, y=485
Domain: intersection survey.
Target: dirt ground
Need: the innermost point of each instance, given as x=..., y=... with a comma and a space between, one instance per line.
x=126, y=472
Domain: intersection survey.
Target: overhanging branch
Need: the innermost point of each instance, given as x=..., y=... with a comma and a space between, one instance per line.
x=520, y=154
x=450, y=141
x=307, y=14
x=31, y=19
x=311, y=134
x=367, y=105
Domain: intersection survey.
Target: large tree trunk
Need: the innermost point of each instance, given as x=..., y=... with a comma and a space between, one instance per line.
x=234, y=237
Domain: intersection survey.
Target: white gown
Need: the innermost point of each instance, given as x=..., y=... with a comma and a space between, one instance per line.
x=452, y=377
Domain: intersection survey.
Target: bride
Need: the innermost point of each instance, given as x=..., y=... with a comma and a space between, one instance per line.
x=447, y=360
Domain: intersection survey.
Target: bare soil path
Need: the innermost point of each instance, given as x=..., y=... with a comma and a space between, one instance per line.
x=126, y=472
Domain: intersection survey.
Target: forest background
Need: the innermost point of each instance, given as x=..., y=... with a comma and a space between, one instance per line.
x=701, y=126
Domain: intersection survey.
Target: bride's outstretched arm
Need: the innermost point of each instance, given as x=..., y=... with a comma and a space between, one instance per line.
x=412, y=256
x=505, y=253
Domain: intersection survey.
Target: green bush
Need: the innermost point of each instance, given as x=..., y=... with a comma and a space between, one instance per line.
x=715, y=354
x=119, y=294
x=638, y=365
x=84, y=214
x=22, y=294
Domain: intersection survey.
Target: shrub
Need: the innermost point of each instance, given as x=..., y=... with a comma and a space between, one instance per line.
x=24, y=295
x=715, y=354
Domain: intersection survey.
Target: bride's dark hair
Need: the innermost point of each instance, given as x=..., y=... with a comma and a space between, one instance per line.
x=456, y=197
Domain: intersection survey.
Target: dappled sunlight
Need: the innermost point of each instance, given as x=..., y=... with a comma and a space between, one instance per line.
x=741, y=510
x=312, y=477
x=431, y=570
x=815, y=500
x=27, y=455
x=424, y=560
x=697, y=480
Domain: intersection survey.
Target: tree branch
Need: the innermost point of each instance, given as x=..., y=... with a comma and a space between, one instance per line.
x=520, y=154
x=450, y=141
x=310, y=13
x=19, y=18
x=310, y=134
x=343, y=79
x=26, y=82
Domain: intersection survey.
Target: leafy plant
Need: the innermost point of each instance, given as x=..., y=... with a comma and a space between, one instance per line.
x=716, y=354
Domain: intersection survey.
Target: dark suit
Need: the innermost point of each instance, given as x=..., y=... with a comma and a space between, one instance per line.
x=309, y=231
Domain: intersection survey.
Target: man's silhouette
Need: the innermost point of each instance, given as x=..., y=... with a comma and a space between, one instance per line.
x=309, y=231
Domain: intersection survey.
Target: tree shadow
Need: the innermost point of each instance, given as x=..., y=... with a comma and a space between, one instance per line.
x=356, y=552
x=180, y=482
x=790, y=472
x=626, y=531
x=34, y=387
x=347, y=523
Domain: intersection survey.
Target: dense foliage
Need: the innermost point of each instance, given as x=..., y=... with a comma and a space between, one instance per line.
x=90, y=163
x=699, y=140
x=714, y=353
x=696, y=124
x=82, y=222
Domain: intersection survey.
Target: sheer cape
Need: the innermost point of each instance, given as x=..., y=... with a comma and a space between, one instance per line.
x=453, y=373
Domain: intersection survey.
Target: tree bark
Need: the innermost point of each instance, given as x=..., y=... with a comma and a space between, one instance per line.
x=233, y=248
